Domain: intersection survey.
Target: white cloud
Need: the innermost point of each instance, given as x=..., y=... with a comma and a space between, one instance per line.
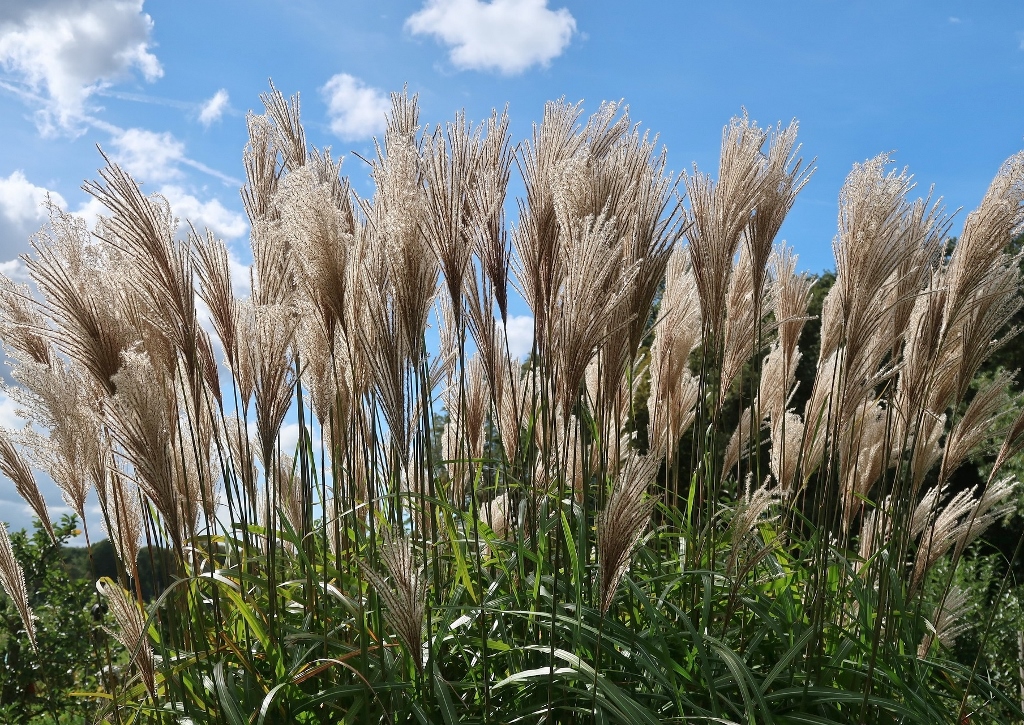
x=214, y=108
x=211, y=213
x=241, y=281
x=356, y=110
x=519, y=332
x=504, y=35
x=67, y=50
x=154, y=156
x=289, y=438
x=149, y=156
x=15, y=270
x=953, y=20
x=22, y=212
x=90, y=211
x=21, y=201
x=8, y=417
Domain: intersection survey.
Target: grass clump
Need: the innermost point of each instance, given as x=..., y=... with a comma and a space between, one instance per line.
x=656, y=517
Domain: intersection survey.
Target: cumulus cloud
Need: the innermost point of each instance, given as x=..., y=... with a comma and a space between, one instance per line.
x=156, y=156
x=15, y=270
x=22, y=212
x=204, y=214
x=66, y=50
x=289, y=437
x=519, y=332
x=8, y=416
x=504, y=35
x=21, y=201
x=90, y=211
x=214, y=108
x=356, y=111
x=149, y=156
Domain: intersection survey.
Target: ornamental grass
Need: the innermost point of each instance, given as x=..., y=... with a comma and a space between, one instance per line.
x=651, y=518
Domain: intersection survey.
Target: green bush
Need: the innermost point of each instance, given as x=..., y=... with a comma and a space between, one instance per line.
x=47, y=684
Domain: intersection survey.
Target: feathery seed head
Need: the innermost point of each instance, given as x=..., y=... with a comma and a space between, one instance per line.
x=948, y=621
x=751, y=510
x=623, y=520
x=12, y=578
x=404, y=593
x=14, y=465
x=131, y=630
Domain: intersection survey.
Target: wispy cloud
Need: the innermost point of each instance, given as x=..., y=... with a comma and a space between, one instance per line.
x=213, y=109
x=504, y=35
x=155, y=156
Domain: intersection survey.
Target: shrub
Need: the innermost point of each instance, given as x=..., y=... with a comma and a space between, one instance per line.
x=44, y=681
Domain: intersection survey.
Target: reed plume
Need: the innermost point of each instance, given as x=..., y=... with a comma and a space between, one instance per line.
x=12, y=578
x=62, y=402
x=948, y=621
x=963, y=519
x=92, y=329
x=622, y=522
x=405, y=595
x=122, y=517
x=143, y=424
x=743, y=320
x=784, y=176
x=674, y=389
x=396, y=222
x=15, y=466
x=719, y=213
x=752, y=510
x=537, y=239
x=143, y=229
x=131, y=630
x=22, y=327
x=699, y=310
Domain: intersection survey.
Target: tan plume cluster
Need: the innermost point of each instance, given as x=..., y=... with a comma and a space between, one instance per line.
x=15, y=466
x=674, y=389
x=752, y=510
x=962, y=519
x=948, y=621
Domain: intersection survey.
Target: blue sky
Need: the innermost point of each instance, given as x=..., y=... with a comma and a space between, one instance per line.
x=164, y=87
